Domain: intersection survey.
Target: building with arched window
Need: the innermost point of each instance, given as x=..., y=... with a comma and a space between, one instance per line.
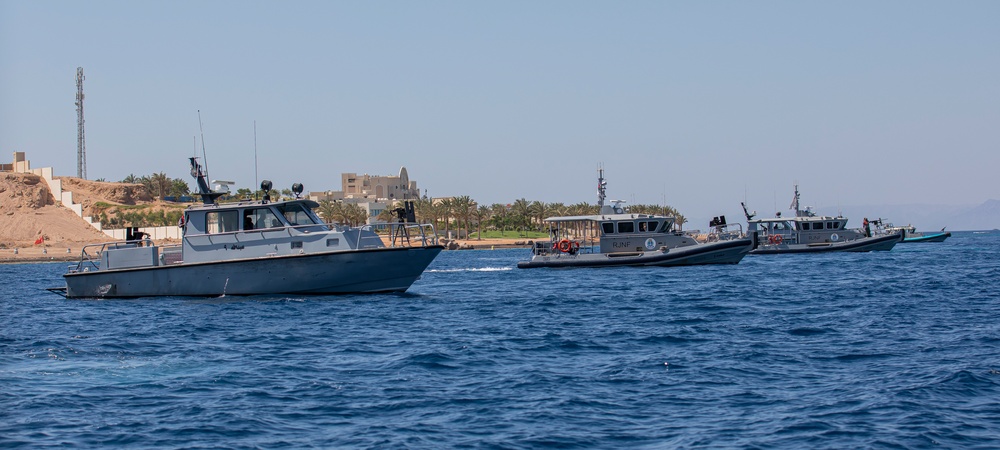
x=375, y=193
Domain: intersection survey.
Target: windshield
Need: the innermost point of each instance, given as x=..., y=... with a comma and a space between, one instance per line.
x=295, y=214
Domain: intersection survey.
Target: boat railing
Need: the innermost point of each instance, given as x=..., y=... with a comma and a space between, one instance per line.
x=555, y=246
x=775, y=237
x=412, y=235
x=726, y=233
x=91, y=254
x=403, y=235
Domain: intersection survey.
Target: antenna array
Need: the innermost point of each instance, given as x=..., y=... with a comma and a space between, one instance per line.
x=81, y=145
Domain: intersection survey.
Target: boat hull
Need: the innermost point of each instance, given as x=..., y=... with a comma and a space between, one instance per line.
x=348, y=272
x=937, y=237
x=870, y=244
x=725, y=252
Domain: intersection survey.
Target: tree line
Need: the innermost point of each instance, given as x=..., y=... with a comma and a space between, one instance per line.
x=160, y=185
x=461, y=213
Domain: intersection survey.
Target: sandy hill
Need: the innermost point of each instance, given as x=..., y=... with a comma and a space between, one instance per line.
x=28, y=209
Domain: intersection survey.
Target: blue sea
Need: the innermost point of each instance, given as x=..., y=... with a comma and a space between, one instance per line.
x=895, y=349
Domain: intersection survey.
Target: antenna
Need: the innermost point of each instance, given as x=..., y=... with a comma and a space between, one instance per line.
x=601, y=186
x=255, y=157
x=204, y=157
x=81, y=144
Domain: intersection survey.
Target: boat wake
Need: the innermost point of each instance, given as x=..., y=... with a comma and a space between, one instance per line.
x=471, y=269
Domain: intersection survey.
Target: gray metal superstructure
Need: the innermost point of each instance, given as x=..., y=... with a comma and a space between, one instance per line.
x=808, y=233
x=256, y=247
x=625, y=239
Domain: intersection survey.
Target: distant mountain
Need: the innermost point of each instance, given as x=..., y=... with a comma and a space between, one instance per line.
x=985, y=216
x=982, y=217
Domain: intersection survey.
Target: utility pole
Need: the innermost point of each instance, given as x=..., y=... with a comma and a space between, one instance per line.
x=81, y=145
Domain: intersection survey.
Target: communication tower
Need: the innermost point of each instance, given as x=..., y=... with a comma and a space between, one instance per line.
x=81, y=145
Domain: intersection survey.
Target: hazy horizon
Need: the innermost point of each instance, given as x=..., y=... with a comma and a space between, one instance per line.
x=695, y=105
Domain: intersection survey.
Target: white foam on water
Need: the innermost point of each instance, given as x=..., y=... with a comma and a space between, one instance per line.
x=472, y=269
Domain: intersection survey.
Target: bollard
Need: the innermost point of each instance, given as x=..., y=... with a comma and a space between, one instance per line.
x=15, y=250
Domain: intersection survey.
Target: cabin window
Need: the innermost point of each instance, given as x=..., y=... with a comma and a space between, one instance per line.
x=608, y=227
x=818, y=226
x=836, y=225
x=804, y=225
x=258, y=218
x=647, y=226
x=333, y=242
x=626, y=227
x=222, y=221
x=830, y=226
x=295, y=215
x=296, y=244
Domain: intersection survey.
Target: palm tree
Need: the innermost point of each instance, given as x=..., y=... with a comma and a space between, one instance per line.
x=464, y=208
x=481, y=214
x=583, y=209
x=446, y=208
x=327, y=210
x=160, y=184
x=499, y=215
x=179, y=187
x=521, y=211
x=423, y=209
x=355, y=214
x=386, y=216
x=539, y=211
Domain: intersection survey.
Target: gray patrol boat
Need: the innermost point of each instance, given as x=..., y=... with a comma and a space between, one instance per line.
x=256, y=247
x=809, y=233
x=625, y=239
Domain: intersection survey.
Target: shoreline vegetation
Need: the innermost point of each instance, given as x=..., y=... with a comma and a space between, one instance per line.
x=460, y=222
x=461, y=213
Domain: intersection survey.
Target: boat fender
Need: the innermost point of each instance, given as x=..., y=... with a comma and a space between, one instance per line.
x=834, y=237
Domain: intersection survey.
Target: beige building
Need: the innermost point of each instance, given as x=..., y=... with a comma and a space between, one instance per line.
x=371, y=188
x=374, y=193
x=20, y=164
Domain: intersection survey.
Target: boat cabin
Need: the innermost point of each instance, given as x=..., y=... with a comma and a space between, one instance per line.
x=804, y=230
x=616, y=233
x=257, y=229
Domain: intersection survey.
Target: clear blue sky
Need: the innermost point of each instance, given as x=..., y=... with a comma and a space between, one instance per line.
x=698, y=104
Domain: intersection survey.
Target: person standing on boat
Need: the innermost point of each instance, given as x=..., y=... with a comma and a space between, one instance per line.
x=868, y=228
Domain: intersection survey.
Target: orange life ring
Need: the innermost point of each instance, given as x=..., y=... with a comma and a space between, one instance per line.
x=775, y=239
x=564, y=245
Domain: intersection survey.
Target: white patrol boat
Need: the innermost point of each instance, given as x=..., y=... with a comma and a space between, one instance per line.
x=255, y=247
x=625, y=239
x=809, y=233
